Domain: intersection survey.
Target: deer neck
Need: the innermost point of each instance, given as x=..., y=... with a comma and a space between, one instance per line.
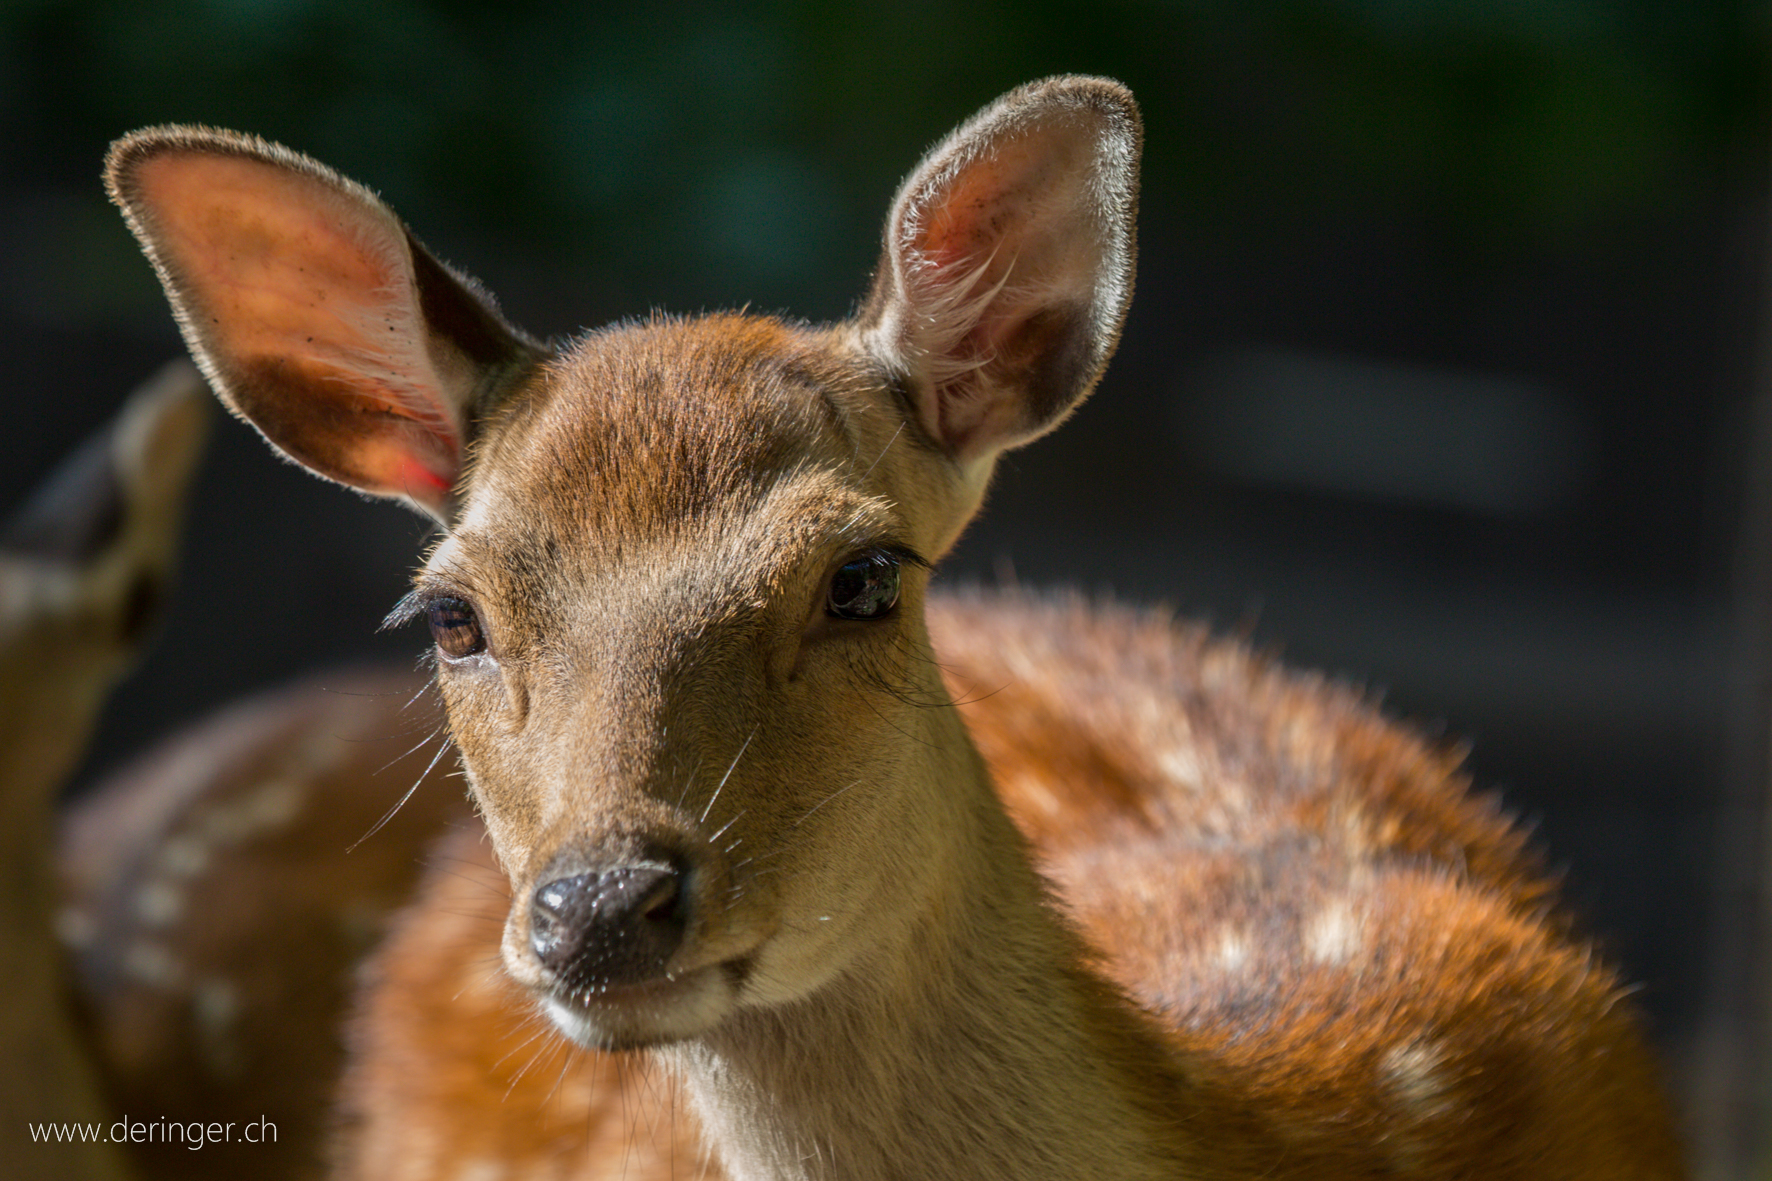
x=971, y=1043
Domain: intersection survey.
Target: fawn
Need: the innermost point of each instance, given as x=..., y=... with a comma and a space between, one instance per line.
x=83, y=571
x=1141, y=905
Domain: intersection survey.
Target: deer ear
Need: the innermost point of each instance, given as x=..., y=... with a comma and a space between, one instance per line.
x=1008, y=264
x=314, y=313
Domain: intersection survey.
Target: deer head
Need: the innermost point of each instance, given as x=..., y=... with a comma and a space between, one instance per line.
x=677, y=597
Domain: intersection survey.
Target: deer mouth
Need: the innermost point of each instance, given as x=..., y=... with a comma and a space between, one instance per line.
x=655, y=1012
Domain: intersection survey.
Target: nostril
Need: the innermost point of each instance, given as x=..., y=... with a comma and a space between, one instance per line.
x=659, y=904
x=612, y=926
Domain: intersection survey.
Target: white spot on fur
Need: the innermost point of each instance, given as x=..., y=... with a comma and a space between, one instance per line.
x=1335, y=934
x=273, y=805
x=1359, y=835
x=215, y=1010
x=216, y=1004
x=1414, y=1074
x=183, y=856
x=1181, y=764
x=481, y=1170
x=159, y=903
x=186, y=854
x=74, y=927
x=152, y=964
x=1232, y=951
x=30, y=589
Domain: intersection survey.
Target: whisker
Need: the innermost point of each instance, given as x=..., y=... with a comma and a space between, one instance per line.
x=527, y=1067
x=822, y=803
x=725, y=777
x=688, y=783
x=422, y=690
x=883, y=451
x=568, y=1060
x=716, y=836
x=421, y=742
x=541, y=1032
x=389, y=814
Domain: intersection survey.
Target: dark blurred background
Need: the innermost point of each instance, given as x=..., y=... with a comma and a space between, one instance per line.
x=1442, y=374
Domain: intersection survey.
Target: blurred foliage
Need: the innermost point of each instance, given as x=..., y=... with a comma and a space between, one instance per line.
x=758, y=144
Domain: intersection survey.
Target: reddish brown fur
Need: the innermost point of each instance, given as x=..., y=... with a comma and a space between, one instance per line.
x=1305, y=799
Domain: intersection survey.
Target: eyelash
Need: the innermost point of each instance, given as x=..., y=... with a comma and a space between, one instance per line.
x=455, y=625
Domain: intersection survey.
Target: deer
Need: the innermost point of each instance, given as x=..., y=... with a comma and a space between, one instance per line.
x=113, y=1007
x=785, y=865
x=84, y=571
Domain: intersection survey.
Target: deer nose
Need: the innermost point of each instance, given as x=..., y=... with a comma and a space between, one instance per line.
x=608, y=927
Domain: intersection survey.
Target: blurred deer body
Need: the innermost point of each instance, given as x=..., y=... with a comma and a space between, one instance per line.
x=83, y=570
x=687, y=652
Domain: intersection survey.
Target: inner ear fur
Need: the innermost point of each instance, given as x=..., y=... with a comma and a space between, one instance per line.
x=314, y=312
x=1008, y=264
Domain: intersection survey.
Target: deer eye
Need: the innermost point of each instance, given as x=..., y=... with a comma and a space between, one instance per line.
x=864, y=587
x=455, y=627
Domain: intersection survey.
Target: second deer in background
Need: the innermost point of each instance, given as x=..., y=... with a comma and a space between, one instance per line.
x=706, y=706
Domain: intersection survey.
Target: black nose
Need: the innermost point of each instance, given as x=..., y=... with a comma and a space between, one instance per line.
x=608, y=927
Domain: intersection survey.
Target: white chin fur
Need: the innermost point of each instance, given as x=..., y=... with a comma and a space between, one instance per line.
x=666, y=1013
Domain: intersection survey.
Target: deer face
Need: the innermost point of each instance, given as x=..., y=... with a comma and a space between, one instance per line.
x=680, y=636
